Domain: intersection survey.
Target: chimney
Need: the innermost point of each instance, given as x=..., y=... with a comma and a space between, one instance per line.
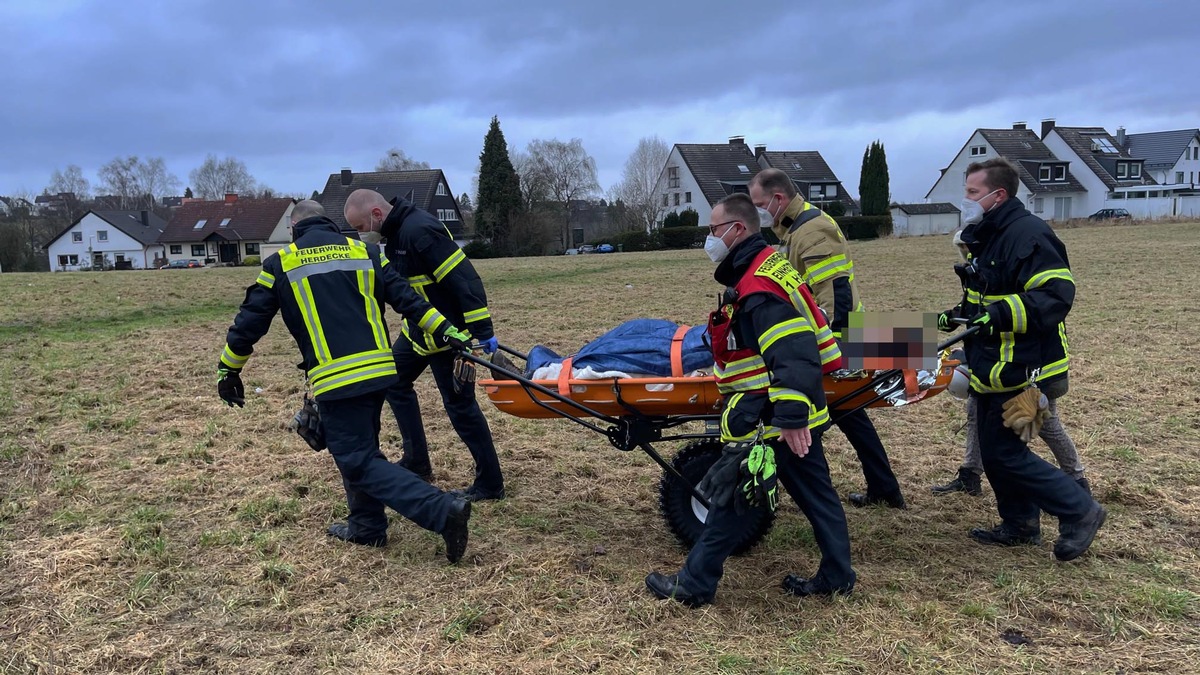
x=1121, y=137
x=230, y=197
x=347, y=176
x=759, y=150
x=1047, y=125
x=737, y=140
x=145, y=218
x=1019, y=126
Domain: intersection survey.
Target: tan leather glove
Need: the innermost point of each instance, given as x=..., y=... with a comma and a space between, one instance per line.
x=1026, y=412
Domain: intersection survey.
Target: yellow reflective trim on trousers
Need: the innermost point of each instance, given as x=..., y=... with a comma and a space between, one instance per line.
x=366, y=286
x=783, y=329
x=234, y=360
x=431, y=320
x=448, y=264
x=354, y=377
x=477, y=315
x=828, y=268
x=348, y=362
x=266, y=279
x=985, y=388
x=1044, y=276
x=312, y=321
x=1017, y=307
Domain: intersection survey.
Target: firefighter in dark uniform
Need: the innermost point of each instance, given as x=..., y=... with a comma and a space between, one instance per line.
x=331, y=290
x=771, y=348
x=816, y=247
x=436, y=267
x=1018, y=289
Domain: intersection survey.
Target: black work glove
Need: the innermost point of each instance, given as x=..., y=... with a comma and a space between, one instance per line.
x=946, y=321
x=719, y=485
x=459, y=340
x=985, y=322
x=229, y=387
x=464, y=374
x=307, y=423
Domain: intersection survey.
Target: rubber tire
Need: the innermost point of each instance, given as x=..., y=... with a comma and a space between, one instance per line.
x=679, y=507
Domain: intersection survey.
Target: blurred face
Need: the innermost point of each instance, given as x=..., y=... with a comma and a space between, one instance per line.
x=978, y=191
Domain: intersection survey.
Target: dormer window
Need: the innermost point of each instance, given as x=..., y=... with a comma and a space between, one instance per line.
x=1122, y=170
x=1044, y=174
x=1060, y=173
x=1135, y=169
x=743, y=168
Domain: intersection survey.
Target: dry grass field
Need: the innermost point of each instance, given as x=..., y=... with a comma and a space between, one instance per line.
x=146, y=527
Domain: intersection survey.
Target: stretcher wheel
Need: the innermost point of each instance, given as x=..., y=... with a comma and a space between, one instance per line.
x=685, y=515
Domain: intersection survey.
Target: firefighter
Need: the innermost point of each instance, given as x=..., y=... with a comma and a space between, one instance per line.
x=771, y=348
x=436, y=267
x=1018, y=289
x=815, y=246
x=330, y=290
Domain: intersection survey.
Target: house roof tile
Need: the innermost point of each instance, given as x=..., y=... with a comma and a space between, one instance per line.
x=927, y=209
x=1022, y=147
x=1160, y=149
x=248, y=220
x=1081, y=140
x=418, y=186
x=717, y=167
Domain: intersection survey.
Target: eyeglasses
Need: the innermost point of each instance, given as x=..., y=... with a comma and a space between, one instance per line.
x=712, y=229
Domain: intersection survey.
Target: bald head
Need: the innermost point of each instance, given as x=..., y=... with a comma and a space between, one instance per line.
x=306, y=209
x=365, y=210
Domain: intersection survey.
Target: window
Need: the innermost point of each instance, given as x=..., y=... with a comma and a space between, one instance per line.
x=251, y=249
x=978, y=150
x=1103, y=145
x=665, y=203
x=687, y=197
x=176, y=249
x=1178, y=176
x=1122, y=170
x=1038, y=204
x=77, y=237
x=1137, y=195
x=1044, y=174
x=441, y=190
x=446, y=215
x=796, y=165
x=743, y=168
x=814, y=192
x=1135, y=169
x=198, y=250
x=199, y=224
x=225, y=222
x=1060, y=173
x=831, y=191
x=676, y=199
x=101, y=235
x=672, y=176
x=1116, y=195
x=120, y=257
x=62, y=261
x=1062, y=208
x=1196, y=152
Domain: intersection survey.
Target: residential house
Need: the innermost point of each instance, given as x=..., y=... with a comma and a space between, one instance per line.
x=1172, y=159
x=229, y=230
x=425, y=188
x=1103, y=166
x=1048, y=187
x=913, y=220
x=12, y=206
x=108, y=239
x=56, y=204
x=811, y=175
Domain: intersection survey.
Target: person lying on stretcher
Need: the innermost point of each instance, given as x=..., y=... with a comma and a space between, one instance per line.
x=636, y=348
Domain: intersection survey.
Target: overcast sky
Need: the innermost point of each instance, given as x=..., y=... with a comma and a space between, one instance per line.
x=299, y=89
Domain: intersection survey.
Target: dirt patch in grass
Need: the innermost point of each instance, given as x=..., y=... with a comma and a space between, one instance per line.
x=146, y=527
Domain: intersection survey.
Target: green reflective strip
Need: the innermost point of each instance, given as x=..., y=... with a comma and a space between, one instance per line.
x=312, y=322
x=817, y=416
x=734, y=368
x=756, y=383
x=354, y=377
x=383, y=259
x=1017, y=307
x=431, y=320
x=1043, y=277
x=1007, y=344
x=423, y=343
x=830, y=353
x=266, y=279
x=730, y=405
x=827, y=268
x=777, y=394
x=233, y=360
x=977, y=298
x=328, y=266
x=366, y=286
x=448, y=264
x=781, y=330
x=339, y=364
x=985, y=388
x=1056, y=368
x=420, y=280
x=477, y=315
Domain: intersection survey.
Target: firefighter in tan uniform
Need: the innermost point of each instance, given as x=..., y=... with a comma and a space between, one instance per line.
x=814, y=244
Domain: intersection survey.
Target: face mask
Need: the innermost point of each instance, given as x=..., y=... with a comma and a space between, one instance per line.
x=371, y=237
x=765, y=219
x=715, y=247
x=972, y=212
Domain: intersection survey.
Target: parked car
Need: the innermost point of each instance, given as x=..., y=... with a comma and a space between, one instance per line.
x=604, y=248
x=571, y=251
x=181, y=264
x=587, y=248
x=1108, y=214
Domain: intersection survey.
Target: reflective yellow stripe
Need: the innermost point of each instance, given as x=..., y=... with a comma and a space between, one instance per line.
x=756, y=383
x=781, y=330
x=344, y=364
x=312, y=321
x=431, y=321
x=448, y=264
x=830, y=353
x=985, y=388
x=233, y=360
x=828, y=268
x=266, y=279
x=817, y=417
x=777, y=394
x=477, y=315
x=294, y=258
x=1017, y=307
x=734, y=368
x=1041, y=278
x=366, y=286
x=1007, y=345
x=354, y=377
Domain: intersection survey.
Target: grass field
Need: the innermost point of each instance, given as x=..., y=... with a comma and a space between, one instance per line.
x=146, y=527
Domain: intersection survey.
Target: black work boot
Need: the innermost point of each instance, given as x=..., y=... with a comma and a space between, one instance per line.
x=667, y=588
x=893, y=499
x=818, y=585
x=1009, y=535
x=474, y=494
x=423, y=471
x=1083, y=483
x=342, y=531
x=1075, y=538
x=455, y=531
x=967, y=481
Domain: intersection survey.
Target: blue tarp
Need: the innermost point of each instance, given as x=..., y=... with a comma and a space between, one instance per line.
x=637, y=346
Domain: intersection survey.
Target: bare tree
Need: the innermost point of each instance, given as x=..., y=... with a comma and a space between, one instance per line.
x=568, y=172
x=534, y=189
x=397, y=160
x=214, y=178
x=135, y=183
x=637, y=189
x=155, y=181
x=71, y=180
